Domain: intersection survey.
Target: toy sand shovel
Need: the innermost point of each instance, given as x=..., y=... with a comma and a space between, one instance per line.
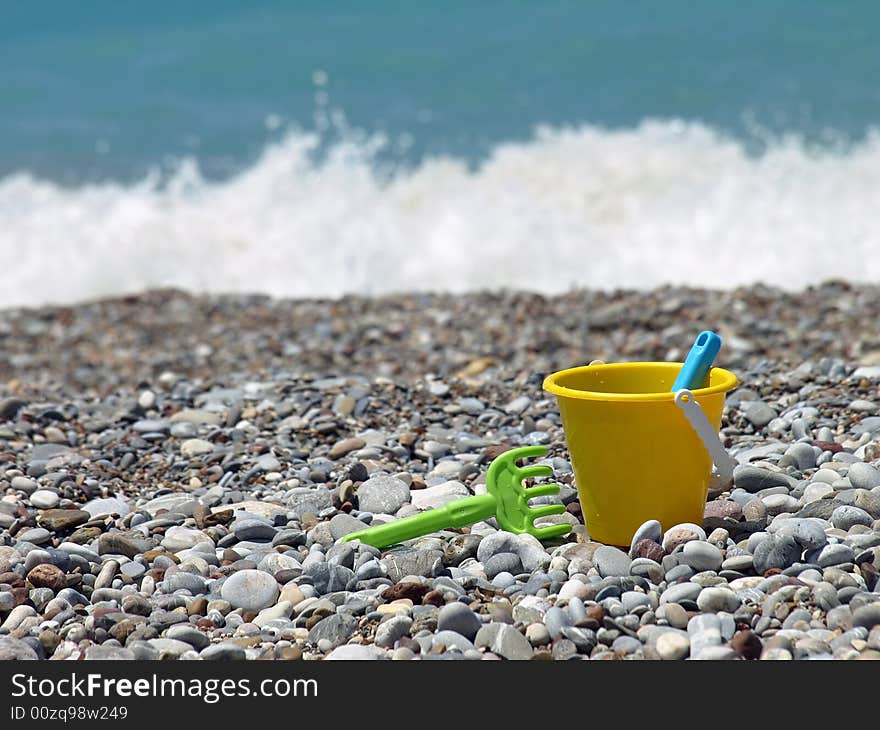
x=506, y=499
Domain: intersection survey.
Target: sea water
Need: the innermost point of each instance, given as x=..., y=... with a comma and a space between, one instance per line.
x=318, y=149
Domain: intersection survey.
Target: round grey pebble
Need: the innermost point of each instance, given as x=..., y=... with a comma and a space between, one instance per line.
x=701, y=556
x=681, y=592
x=503, y=563
x=844, y=517
x=250, y=589
x=862, y=475
x=459, y=618
x=251, y=529
x=610, y=561
x=390, y=630
x=775, y=552
x=714, y=599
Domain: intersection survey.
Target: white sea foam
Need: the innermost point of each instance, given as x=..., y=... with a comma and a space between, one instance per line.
x=586, y=207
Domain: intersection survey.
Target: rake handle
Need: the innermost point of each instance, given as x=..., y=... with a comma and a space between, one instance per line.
x=458, y=513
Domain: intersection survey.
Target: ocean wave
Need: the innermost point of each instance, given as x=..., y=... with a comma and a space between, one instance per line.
x=665, y=202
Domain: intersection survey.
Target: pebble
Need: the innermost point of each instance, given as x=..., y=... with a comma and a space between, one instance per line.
x=809, y=533
x=704, y=631
x=672, y=646
x=867, y=616
x=610, y=561
x=775, y=551
x=701, y=556
x=345, y=446
x=392, y=629
x=459, y=618
x=680, y=534
x=35, y=535
x=754, y=479
x=758, y=413
x=354, y=652
x=44, y=499
x=863, y=476
x=23, y=484
x=715, y=599
x=503, y=640
x=16, y=650
x=681, y=592
x=835, y=554
x=107, y=506
x=192, y=448
x=250, y=589
x=846, y=516
x=437, y=496
x=383, y=495
x=650, y=530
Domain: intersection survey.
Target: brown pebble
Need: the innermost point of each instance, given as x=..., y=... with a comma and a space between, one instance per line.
x=47, y=575
x=746, y=644
x=433, y=598
x=410, y=643
x=84, y=535
x=285, y=576
x=831, y=446
x=413, y=591
x=495, y=450
x=679, y=536
x=123, y=629
x=722, y=508
x=649, y=549
x=50, y=641
x=597, y=613
x=230, y=556
x=157, y=574
x=59, y=520
x=200, y=514
x=21, y=596
x=198, y=607
x=219, y=518
x=11, y=579
x=290, y=653
x=151, y=555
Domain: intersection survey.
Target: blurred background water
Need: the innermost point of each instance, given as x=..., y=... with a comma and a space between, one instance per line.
x=314, y=149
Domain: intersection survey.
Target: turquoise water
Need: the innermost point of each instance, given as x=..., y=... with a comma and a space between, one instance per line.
x=123, y=86
x=309, y=148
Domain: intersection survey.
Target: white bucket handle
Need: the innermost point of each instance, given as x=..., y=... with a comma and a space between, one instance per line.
x=724, y=464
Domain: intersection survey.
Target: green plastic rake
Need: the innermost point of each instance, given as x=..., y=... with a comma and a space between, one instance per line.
x=506, y=499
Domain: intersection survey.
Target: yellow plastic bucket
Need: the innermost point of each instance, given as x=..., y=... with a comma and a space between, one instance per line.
x=635, y=455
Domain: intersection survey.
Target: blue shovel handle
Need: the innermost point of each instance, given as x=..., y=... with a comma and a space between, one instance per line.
x=698, y=362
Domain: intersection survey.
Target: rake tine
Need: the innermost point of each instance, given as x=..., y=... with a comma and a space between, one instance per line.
x=545, y=533
x=545, y=510
x=542, y=490
x=536, y=470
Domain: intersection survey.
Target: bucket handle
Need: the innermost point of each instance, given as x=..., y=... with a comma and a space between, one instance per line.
x=724, y=464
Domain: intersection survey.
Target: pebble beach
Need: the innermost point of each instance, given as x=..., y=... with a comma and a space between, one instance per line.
x=176, y=472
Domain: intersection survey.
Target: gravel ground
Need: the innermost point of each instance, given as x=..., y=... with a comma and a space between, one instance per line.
x=176, y=472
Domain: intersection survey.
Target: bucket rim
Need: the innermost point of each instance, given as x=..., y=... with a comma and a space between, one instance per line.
x=728, y=382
